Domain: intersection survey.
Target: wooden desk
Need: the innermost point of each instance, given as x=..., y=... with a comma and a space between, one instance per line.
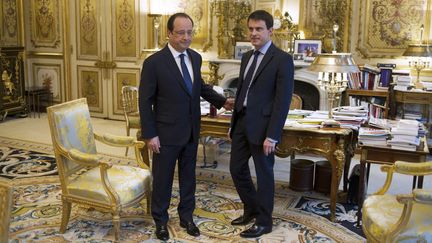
x=420, y=98
x=386, y=155
x=335, y=144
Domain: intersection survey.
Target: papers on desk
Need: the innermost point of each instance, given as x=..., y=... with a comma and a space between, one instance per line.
x=373, y=136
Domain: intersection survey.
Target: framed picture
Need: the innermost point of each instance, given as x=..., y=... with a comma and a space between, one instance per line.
x=241, y=48
x=298, y=56
x=309, y=48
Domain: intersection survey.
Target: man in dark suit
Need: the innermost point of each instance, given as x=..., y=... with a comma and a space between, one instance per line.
x=169, y=102
x=262, y=101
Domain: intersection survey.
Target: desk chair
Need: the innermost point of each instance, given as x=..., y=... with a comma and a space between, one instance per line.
x=130, y=109
x=404, y=217
x=87, y=179
x=296, y=102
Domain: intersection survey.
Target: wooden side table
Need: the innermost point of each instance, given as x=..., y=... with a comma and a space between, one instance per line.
x=386, y=155
x=34, y=95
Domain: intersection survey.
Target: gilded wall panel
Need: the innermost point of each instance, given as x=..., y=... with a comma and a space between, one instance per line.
x=317, y=18
x=90, y=87
x=9, y=27
x=49, y=76
x=87, y=28
x=125, y=29
x=45, y=23
x=124, y=77
x=198, y=10
x=387, y=27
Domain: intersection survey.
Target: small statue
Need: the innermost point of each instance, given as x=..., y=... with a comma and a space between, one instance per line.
x=8, y=84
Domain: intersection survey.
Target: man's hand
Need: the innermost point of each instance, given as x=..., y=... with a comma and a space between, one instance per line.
x=269, y=147
x=153, y=144
x=229, y=104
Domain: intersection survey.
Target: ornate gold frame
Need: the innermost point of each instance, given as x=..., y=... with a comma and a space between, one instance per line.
x=317, y=18
x=387, y=35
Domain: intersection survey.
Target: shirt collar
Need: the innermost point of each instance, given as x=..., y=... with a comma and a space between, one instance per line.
x=265, y=47
x=175, y=53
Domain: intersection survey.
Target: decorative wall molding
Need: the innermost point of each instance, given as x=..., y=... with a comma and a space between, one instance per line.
x=387, y=27
x=9, y=27
x=45, y=23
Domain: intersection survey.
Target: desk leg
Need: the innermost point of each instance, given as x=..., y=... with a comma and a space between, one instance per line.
x=337, y=161
x=361, y=191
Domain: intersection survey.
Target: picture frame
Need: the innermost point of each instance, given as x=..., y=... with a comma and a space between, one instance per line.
x=308, y=48
x=298, y=56
x=241, y=48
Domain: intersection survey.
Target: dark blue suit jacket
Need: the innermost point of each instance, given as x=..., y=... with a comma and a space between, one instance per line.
x=269, y=95
x=166, y=108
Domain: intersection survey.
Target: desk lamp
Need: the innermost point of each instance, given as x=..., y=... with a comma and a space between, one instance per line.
x=333, y=69
x=419, y=54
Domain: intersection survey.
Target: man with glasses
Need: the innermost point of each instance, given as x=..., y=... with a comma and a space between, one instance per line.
x=169, y=102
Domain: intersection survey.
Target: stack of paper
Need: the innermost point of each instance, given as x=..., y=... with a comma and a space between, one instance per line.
x=403, y=83
x=373, y=136
x=405, y=135
x=350, y=116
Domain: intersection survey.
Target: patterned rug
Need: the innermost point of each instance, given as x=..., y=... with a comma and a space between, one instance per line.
x=36, y=212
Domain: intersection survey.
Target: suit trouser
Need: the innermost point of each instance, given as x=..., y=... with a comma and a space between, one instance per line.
x=163, y=168
x=258, y=200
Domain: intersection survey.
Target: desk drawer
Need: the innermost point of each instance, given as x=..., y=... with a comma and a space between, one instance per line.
x=390, y=156
x=415, y=98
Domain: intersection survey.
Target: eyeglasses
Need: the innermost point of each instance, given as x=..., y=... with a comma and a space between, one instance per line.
x=183, y=33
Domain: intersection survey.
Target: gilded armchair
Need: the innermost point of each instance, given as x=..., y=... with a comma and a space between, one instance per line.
x=404, y=217
x=87, y=179
x=130, y=109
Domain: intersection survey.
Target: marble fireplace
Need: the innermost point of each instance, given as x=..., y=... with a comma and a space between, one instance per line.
x=224, y=72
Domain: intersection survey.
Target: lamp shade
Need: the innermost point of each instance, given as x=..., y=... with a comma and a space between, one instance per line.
x=334, y=63
x=418, y=50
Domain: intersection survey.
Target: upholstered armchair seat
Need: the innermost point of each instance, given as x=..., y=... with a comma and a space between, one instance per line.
x=402, y=217
x=128, y=182
x=380, y=222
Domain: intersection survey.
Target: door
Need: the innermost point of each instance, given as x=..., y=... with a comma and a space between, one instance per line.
x=106, y=37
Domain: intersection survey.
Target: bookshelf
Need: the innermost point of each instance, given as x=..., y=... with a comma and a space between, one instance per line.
x=377, y=100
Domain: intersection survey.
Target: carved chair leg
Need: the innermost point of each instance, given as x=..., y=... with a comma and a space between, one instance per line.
x=65, y=215
x=116, y=225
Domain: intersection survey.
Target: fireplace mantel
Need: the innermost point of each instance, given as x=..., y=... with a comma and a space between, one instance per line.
x=224, y=71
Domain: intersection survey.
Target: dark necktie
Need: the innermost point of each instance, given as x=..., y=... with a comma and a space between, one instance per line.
x=186, y=76
x=246, y=82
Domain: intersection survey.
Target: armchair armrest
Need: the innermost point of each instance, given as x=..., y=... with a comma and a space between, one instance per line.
x=127, y=141
x=83, y=158
x=115, y=140
x=422, y=196
x=415, y=169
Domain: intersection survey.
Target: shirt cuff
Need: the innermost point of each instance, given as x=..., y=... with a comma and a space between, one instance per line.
x=271, y=140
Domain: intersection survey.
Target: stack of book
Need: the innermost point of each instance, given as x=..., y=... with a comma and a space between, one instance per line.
x=373, y=136
x=403, y=83
x=350, y=116
x=405, y=135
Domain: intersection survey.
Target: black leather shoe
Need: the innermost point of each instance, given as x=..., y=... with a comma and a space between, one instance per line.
x=162, y=232
x=243, y=220
x=255, y=231
x=190, y=227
